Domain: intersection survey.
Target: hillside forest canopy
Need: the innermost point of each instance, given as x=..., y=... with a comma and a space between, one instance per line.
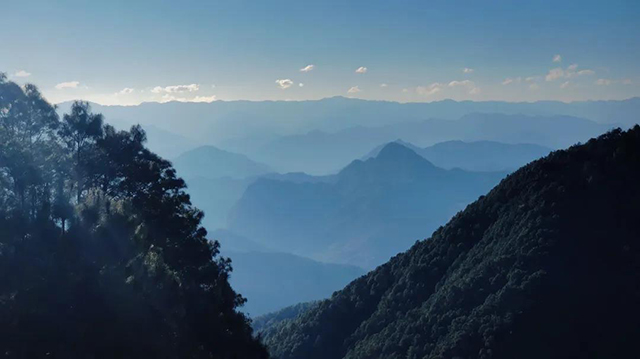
x=102, y=254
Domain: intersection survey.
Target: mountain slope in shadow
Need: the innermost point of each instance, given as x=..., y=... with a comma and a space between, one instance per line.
x=544, y=266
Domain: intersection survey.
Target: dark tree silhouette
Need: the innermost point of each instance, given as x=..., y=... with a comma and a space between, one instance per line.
x=124, y=270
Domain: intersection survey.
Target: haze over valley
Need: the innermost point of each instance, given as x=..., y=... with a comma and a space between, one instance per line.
x=329, y=179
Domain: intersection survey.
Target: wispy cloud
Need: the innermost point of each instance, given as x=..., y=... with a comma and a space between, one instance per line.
x=603, y=82
x=557, y=58
x=460, y=83
x=511, y=80
x=67, y=85
x=354, y=89
x=301, y=85
x=565, y=84
x=22, y=73
x=627, y=82
x=432, y=89
x=468, y=84
x=176, y=88
x=571, y=71
x=361, y=70
x=206, y=99
x=383, y=85
x=534, y=87
x=124, y=91
x=284, y=83
x=307, y=68
x=467, y=70
x=554, y=74
x=198, y=99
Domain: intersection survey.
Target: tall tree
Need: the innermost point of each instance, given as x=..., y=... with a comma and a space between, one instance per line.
x=81, y=129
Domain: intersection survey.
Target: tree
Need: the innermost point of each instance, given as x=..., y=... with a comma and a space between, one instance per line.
x=126, y=266
x=81, y=129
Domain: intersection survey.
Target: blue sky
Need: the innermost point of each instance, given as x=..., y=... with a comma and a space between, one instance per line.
x=127, y=52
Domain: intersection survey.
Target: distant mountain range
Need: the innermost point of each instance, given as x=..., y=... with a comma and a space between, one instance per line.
x=475, y=156
x=367, y=213
x=211, y=162
x=544, y=266
x=332, y=151
x=258, y=129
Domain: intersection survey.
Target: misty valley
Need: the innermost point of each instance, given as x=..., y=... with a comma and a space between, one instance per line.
x=319, y=179
x=116, y=239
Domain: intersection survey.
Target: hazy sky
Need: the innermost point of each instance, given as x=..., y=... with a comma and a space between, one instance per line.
x=126, y=52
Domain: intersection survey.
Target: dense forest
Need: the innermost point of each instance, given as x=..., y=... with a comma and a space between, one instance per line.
x=546, y=265
x=101, y=252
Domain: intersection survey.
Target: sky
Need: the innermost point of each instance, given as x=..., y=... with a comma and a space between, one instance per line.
x=128, y=52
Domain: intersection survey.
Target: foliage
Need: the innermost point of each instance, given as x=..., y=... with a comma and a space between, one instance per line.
x=265, y=322
x=544, y=266
x=101, y=252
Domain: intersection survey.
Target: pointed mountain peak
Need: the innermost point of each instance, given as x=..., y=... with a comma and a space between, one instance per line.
x=398, y=151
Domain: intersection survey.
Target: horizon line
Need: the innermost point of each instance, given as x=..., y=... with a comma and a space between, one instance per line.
x=355, y=99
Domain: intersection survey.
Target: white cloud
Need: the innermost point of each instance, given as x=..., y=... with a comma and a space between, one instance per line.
x=206, y=99
x=307, y=68
x=554, y=74
x=460, y=83
x=301, y=84
x=405, y=90
x=67, y=85
x=627, y=82
x=176, y=88
x=557, y=58
x=570, y=72
x=284, y=83
x=383, y=85
x=361, y=70
x=467, y=70
x=429, y=90
x=354, y=89
x=468, y=84
x=564, y=84
x=586, y=72
x=510, y=80
x=532, y=78
x=198, y=99
x=22, y=73
x=534, y=87
x=124, y=91
x=603, y=82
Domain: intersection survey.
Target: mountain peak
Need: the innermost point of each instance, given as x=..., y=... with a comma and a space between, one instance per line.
x=398, y=152
x=554, y=246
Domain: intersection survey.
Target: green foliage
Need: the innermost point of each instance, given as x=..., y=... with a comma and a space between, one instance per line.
x=264, y=323
x=544, y=266
x=101, y=252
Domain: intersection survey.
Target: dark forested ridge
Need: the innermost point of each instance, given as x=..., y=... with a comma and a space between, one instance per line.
x=101, y=253
x=547, y=265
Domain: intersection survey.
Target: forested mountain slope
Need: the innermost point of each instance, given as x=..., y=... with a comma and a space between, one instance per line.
x=101, y=252
x=544, y=266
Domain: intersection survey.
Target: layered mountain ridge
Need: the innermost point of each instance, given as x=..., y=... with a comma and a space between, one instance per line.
x=545, y=265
